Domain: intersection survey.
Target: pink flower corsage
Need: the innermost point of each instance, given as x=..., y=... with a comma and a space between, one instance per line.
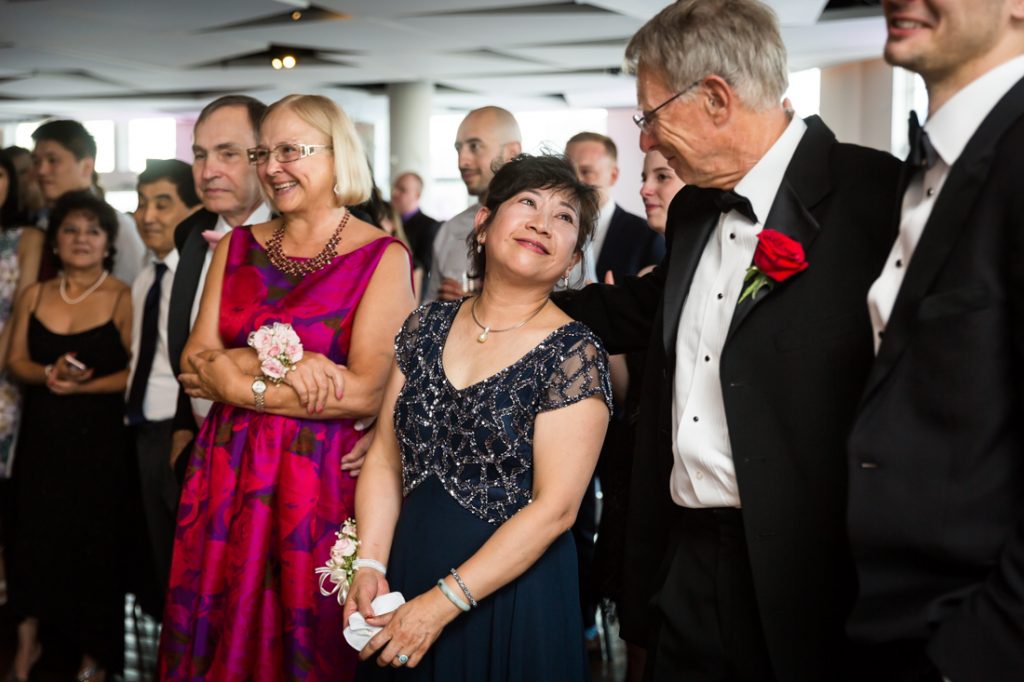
x=279, y=349
x=340, y=567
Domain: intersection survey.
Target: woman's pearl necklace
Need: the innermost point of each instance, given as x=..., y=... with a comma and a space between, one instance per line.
x=63, y=288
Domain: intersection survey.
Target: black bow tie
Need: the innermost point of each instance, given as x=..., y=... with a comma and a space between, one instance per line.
x=922, y=154
x=728, y=200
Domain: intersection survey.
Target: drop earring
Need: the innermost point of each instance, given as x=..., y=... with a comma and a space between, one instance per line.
x=479, y=247
x=565, y=280
x=337, y=190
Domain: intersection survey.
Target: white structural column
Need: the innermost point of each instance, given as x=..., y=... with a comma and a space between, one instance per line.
x=857, y=102
x=409, y=109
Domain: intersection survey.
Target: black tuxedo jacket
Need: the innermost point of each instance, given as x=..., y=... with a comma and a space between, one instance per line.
x=936, y=508
x=629, y=247
x=421, y=229
x=192, y=250
x=792, y=371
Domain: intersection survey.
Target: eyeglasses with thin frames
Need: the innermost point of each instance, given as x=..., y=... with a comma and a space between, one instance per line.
x=284, y=153
x=644, y=119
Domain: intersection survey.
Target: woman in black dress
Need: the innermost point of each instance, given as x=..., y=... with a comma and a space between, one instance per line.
x=490, y=430
x=69, y=479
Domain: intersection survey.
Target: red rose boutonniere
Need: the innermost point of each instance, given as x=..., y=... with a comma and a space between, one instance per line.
x=776, y=259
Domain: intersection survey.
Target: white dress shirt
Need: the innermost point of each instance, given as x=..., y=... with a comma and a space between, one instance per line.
x=162, y=390
x=703, y=474
x=451, y=257
x=949, y=130
x=200, y=407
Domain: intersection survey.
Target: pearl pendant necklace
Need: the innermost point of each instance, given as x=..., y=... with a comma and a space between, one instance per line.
x=63, y=289
x=482, y=338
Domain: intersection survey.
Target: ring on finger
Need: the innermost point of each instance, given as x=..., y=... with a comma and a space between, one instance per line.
x=402, y=659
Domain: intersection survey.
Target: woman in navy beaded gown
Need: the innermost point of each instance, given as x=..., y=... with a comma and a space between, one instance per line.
x=489, y=433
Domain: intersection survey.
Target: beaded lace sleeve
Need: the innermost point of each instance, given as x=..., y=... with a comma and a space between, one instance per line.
x=405, y=340
x=581, y=373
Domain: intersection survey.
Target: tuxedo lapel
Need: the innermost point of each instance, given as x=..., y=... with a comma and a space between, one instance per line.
x=948, y=218
x=692, y=219
x=612, y=246
x=191, y=257
x=804, y=185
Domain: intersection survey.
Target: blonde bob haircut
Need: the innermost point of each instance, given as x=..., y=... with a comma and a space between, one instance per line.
x=737, y=40
x=351, y=170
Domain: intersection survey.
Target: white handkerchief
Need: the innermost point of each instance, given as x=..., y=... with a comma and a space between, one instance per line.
x=358, y=633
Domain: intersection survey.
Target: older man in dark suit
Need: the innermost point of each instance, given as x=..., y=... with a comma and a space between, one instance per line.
x=230, y=191
x=936, y=510
x=758, y=345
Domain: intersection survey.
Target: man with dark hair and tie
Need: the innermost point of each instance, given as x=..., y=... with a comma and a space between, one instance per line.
x=230, y=191
x=167, y=196
x=758, y=345
x=936, y=504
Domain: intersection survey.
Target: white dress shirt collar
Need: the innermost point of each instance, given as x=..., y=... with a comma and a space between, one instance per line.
x=761, y=183
x=261, y=215
x=170, y=260
x=952, y=126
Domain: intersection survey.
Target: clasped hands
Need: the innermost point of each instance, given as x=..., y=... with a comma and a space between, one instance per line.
x=410, y=630
x=63, y=378
x=219, y=378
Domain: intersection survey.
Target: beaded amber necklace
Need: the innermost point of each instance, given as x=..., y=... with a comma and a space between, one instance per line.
x=301, y=268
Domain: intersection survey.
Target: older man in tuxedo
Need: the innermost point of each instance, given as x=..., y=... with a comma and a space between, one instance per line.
x=230, y=191
x=936, y=510
x=758, y=345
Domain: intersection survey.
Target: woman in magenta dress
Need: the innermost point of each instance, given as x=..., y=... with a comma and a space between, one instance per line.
x=264, y=493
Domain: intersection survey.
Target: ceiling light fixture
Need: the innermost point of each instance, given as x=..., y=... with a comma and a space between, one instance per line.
x=288, y=61
x=277, y=63
x=296, y=15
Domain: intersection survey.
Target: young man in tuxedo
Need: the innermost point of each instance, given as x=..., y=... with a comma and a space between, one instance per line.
x=736, y=561
x=936, y=505
x=623, y=244
x=230, y=191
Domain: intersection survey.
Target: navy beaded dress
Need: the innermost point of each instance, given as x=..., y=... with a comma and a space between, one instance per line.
x=467, y=465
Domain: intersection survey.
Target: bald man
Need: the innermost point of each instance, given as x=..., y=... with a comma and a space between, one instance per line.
x=487, y=137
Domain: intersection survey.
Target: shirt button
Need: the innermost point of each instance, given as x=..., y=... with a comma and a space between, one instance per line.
x=899, y=262
x=696, y=419
x=721, y=296
x=707, y=358
x=700, y=475
x=732, y=235
x=930, y=192
x=881, y=334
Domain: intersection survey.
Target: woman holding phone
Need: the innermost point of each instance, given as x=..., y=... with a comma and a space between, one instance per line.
x=69, y=349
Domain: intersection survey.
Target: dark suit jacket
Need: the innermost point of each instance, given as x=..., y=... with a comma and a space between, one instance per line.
x=192, y=249
x=937, y=453
x=421, y=229
x=792, y=371
x=629, y=247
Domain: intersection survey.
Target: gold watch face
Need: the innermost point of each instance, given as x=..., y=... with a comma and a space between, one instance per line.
x=259, y=386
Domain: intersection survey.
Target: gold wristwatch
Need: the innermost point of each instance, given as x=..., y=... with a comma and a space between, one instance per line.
x=259, y=388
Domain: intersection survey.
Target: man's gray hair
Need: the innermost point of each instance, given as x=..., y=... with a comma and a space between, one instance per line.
x=736, y=39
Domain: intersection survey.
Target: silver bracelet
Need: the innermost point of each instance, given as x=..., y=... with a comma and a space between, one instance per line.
x=465, y=590
x=452, y=597
x=370, y=563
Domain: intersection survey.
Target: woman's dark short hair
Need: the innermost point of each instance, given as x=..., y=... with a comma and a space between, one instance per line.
x=10, y=211
x=85, y=201
x=544, y=171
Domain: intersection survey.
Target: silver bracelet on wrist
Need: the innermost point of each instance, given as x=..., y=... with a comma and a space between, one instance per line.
x=465, y=590
x=370, y=563
x=452, y=597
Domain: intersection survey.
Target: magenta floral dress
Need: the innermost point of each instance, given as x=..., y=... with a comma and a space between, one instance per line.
x=264, y=495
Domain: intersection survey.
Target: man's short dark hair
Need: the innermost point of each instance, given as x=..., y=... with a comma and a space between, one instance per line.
x=253, y=107
x=84, y=200
x=71, y=135
x=543, y=171
x=174, y=171
x=609, y=145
